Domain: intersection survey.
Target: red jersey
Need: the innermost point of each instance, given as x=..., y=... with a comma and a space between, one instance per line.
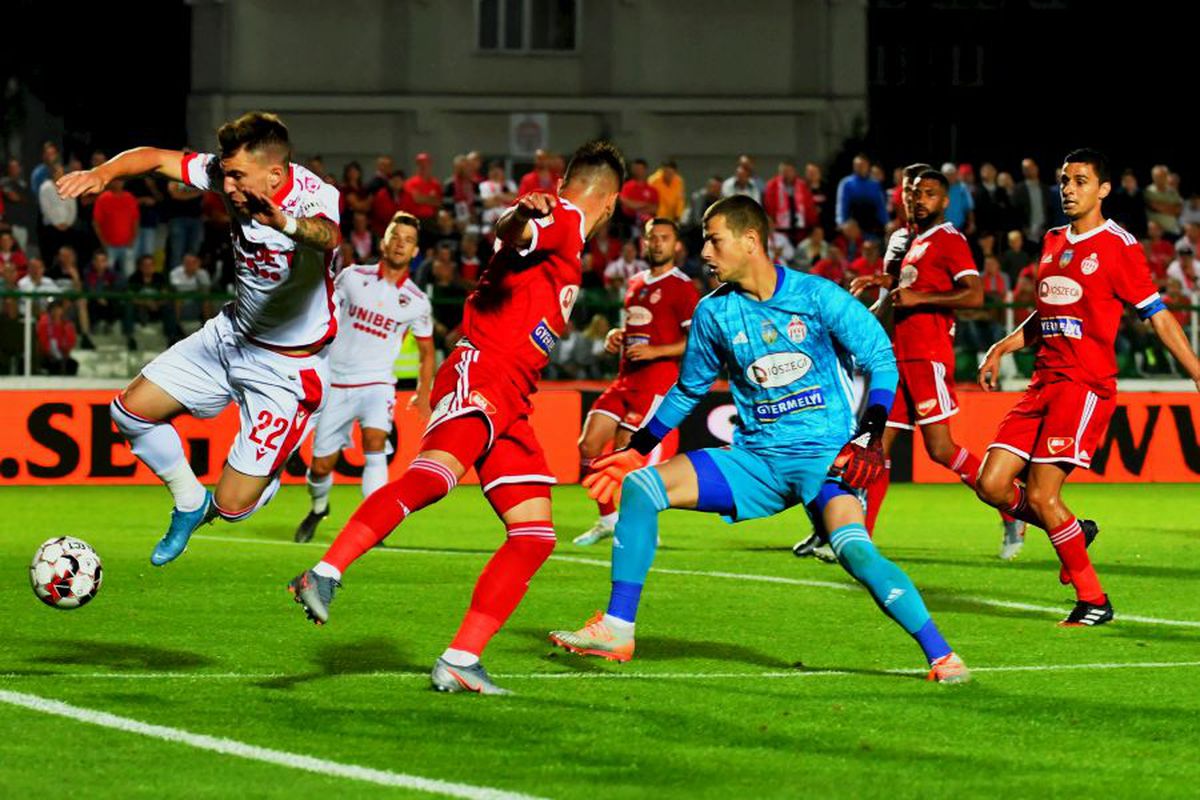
x=658, y=311
x=934, y=262
x=641, y=192
x=1082, y=283
x=524, y=298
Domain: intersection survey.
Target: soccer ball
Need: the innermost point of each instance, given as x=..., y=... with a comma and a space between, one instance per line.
x=66, y=572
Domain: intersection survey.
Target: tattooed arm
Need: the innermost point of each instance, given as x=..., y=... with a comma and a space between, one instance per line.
x=315, y=232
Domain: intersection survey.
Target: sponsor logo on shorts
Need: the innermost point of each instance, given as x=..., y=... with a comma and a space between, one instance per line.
x=925, y=406
x=769, y=334
x=1056, y=444
x=1069, y=327
x=1090, y=264
x=638, y=315
x=1059, y=290
x=479, y=401
x=1064, y=260
x=797, y=331
x=778, y=369
x=543, y=337
x=802, y=400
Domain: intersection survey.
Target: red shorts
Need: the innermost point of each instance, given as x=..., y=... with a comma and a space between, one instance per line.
x=1059, y=422
x=924, y=395
x=471, y=382
x=628, y=404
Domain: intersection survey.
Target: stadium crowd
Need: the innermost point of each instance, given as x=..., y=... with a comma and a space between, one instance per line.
x=171, y=243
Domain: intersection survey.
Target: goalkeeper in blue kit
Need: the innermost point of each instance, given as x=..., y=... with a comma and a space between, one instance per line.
x=786, y=339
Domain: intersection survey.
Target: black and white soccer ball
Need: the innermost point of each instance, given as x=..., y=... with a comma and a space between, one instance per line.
x=66, y=572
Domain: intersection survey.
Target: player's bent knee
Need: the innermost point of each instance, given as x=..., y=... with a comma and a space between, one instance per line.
x=992, y=489
x=127, y=422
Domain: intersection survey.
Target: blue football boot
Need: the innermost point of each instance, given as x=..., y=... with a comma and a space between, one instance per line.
x=183, y=525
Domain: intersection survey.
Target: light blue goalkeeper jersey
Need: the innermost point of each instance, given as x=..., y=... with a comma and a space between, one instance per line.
x=789, y=360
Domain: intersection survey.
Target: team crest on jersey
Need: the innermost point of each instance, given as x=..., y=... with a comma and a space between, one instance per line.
x=1064, y=260
x=908, y=276
x=797, y=331
x=656, y=296
x=926, y=406
x=402, y=300
x=566, y=298
x=1056, y=444
x=1090, y=264
x=769, y=334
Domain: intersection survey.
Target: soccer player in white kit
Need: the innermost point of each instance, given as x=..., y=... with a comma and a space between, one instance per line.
x=266, y=350
x=377, y=305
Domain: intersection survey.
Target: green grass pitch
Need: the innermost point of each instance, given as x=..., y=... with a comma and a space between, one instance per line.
x=741, y=687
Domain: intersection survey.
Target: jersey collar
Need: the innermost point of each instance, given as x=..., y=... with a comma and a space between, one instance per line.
x=650, y=279
x=934, y=229
x=285, y=189
x=568, y=204
x=1073, y=239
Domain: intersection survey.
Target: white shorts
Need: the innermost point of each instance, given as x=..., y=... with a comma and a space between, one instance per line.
x=373, y=405
x=278, y=395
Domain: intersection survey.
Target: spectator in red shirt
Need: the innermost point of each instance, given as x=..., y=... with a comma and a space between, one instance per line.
x=541, y=178
x=116, y=218
x=387, y=201
x=11, y=254
x=869, y=262
x=639, y=200
x=832, y=267
x=56, y=340
x=384, y=169
x=424, y=189
x=1160, y=253
x=789, y=203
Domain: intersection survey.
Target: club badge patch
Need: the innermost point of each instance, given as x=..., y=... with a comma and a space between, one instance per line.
x=1056, y=444
x=926, y=406
x=1064, y=260
x=797, y=331
x=1090, y=264
x=769, y=334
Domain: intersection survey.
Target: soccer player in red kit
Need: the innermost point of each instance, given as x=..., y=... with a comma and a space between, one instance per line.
x=481, y=406
x=1089, y=269
x=658, y=310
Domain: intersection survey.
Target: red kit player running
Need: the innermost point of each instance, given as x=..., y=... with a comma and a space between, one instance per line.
x=658, y=310
x=1088, y=270
x=481, y=411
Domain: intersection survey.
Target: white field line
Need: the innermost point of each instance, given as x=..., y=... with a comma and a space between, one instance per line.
x=230, y=747
x=738, y=576
x=587, y=676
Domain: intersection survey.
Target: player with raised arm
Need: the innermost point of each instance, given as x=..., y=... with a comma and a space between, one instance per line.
x=266, y=350
x=1089, y=270
x=658, y=310
x=481, y=397
x=378, y=304
x=781, y=336
x=936, y=276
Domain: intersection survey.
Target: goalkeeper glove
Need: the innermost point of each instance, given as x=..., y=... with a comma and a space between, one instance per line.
x=861, y=461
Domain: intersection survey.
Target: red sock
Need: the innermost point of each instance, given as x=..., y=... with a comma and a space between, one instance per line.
x=1069, y=543
x=966, y=465
x=876, y=491
x=423, y=483
x=1019, y=507
x=503, y=583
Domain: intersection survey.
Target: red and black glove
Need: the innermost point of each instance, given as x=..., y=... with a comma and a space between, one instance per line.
x=861, y=461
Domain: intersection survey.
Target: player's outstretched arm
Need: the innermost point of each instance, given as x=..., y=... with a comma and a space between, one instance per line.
x=318, y=233
x=1175, y=340
x=138, y=161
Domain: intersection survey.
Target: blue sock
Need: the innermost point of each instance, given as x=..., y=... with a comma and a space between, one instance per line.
x=894, y=593
x=635, y=539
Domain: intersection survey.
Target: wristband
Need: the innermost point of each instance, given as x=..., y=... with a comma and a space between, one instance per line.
x=643, y=441
x=289, y=227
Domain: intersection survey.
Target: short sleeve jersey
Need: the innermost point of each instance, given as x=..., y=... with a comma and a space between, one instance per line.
x=373, y=316
x=658, y=311
x=1083, y=283
x=283, y=290
x=935, y=260
x=524, y=298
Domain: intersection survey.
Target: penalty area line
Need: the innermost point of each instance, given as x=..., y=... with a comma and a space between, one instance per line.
x=251, y=752
x=737, y=576
x=615, y=675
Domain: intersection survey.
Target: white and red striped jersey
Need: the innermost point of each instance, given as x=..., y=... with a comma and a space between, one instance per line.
x=373, y=316
x=283, y=297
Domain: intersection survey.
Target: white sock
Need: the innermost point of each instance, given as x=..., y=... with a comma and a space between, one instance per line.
x=327, y=570
x=183, y=485
x=618, y=625
x=318, y=490
x=610, y=520
x=459, y=658
x=375, y=473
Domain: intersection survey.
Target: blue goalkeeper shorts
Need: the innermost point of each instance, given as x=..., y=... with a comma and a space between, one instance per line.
x=739, y=484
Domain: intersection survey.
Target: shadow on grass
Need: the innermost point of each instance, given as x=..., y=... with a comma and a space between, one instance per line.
x=117, y=656
x=1050, y=565
x=665, y=648
x=362, y=657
